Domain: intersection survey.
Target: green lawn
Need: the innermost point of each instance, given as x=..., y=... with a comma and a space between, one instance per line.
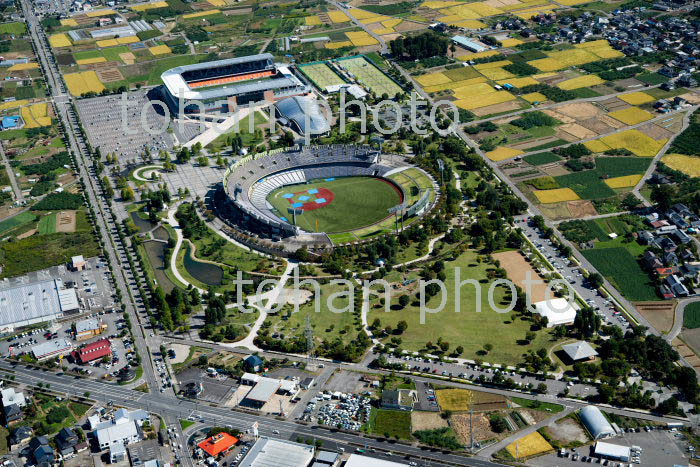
x=367, y=198
x=621, y=268
x=112, y=53
x=185, y=424
x=248, y=138
x=390, y=423
x=468, y=328
x=537, y=405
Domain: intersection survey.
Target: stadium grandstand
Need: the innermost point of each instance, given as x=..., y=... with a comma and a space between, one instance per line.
x=243, y=202
x=222, y=85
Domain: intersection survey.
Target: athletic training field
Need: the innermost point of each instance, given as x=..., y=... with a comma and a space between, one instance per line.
x=336, y=204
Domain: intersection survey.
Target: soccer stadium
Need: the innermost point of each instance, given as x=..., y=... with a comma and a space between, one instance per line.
x=322, y=196
x=222, y=85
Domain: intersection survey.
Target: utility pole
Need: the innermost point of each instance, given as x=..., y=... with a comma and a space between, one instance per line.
x=310, y=365
x=471, y=430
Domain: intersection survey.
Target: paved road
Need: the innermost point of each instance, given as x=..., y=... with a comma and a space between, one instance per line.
x=678, y=317
x=11, y=175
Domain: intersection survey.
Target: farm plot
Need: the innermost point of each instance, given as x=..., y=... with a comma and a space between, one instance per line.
x=586, y=184
x=502, y=153
x=36, y=115
x=556, y=195
x=361, y=38
x=370, y=76
x=639, y=143
x=637, y=98
x=581, y=54
x=585, y=81
x=626, y=181
x=631, y=115
x=530, y=445
x=59, y=40
x=83, y=82
x=427, y=421
x=621, y=268
x=691, y=316
x=689, y=165
x=462, y=400
x=321, y=75
x=542, y=158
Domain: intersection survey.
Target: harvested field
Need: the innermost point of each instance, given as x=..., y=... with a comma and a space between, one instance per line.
x=567, y=431
x=530, y=445
x=502, y=153
x=582, y=208
x=658, y=132
x=65, y=221
x=517, y=267
x=577, y=131
x=460, y=400
x=480, y=424
x=597, y=126
x=659, y=314
x=690, y=346
x=26, y=234
x=533, y=143
x=427, y=421
x=556, y=211
x=109, y=75
x=496, y=108
x=579, y=111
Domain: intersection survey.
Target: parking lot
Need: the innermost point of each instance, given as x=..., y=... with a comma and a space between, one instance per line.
x=217, y=389
x=659, y=447
x=349, y=411
x=198, y=180
x=121, y=132
x=571, y=272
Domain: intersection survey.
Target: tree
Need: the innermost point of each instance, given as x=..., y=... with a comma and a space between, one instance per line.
x=128, y=193
x=376, y=324
x=459, y=350
x=488, y=347
x=596, y=280
x=542, y=388
x=630, y=202
x=401, y=326
x=663, y=195
x=668, y=406
x=404, y=300
x=530, y=336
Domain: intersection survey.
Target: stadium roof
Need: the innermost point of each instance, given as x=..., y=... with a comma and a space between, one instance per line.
x=596, y=423
x=303, y=111
x=30, y=303
x=215, y=445
x=579, y=350
x=176, y=84
x=267, y=452
x=557, y=311
x=356, y=460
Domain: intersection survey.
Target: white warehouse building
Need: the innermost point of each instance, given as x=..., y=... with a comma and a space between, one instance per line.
x=37, y=302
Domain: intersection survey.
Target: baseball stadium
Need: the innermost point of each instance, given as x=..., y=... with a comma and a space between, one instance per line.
x=222, y=85
x=322, y=196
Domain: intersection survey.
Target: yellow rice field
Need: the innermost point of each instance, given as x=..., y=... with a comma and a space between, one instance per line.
x=474, y=56
x=391, y=23
x=485, y=101
x=361, y=38
x=160, y=49
x=511, y=42
x=199, y=14
x=689, y=165
x=12, y=104
x=433, y=79
x=520, y=82
x=581, y=82
x=471, y=24
x=338, y=45
x=83, y=82
x=502, y=153
x=151, y=6
x=495, y=74
x=534, y=97
x=454, y=84
x=24, y=66
x=596, y=145
x=530, y=445
x=59, y=40
x=640, y=144
x=637, y=98
x=95, y=14
x=631, y=115
x=382, y=31
x=547, y=64
x=556, y=195
x=313, y=21
x=624, y=182
x=359, y=13
x=70, y=22
x=217, y=2
x=338, y=17
x=36, y=115
x=90, y=61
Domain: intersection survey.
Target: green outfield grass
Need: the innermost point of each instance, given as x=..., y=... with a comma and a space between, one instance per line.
x=358, y=202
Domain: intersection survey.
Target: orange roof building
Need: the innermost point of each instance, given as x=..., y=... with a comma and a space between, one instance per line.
x=218, y=444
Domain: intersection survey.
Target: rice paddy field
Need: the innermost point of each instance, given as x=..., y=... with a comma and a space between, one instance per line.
x=83, y=82
x=639, y=143
x=556, y=195
x=631, y=115
x=530, y=445
x=689, y=165
x=502, y=153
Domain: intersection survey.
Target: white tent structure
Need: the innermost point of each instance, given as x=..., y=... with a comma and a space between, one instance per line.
x=557, y=311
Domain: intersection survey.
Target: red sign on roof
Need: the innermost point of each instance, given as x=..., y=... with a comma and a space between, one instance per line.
x=217, y=444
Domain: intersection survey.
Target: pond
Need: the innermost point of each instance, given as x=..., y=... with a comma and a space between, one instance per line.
x=160, y=233
x=144, y=225
x=156, y=256
x=209, y=274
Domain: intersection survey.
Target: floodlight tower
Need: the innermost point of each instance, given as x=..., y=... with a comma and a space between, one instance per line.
x=310, y=361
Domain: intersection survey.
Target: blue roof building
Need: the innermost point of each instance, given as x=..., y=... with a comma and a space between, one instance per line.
x=254, y=363
x=9, y=123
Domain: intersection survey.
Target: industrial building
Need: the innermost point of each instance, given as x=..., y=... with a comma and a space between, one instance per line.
x=596, y=423
x=612, y=451
x=355, y=460
x=37, y=302
x=52, y=349
x=264, y=388
x=122, y=429
x=220, y=86
x=471, y=45
x=557, y=311
x=278, y=452
x=94, y=351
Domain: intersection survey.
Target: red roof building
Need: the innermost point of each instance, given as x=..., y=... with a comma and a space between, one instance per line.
x=218, y=444
x=94, y=351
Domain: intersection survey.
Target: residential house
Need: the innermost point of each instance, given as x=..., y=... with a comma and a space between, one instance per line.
x=670, y=259
x=645, y=237
x=665, y=244
x=41, y=451
x=21, y=435
x=682, y=210
x=253, y=363
x=12, y=413
x=682, y=237
x=651, y=260
x=122, y=429
x=677, y=287
x=9, y=397
x=66, y=440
